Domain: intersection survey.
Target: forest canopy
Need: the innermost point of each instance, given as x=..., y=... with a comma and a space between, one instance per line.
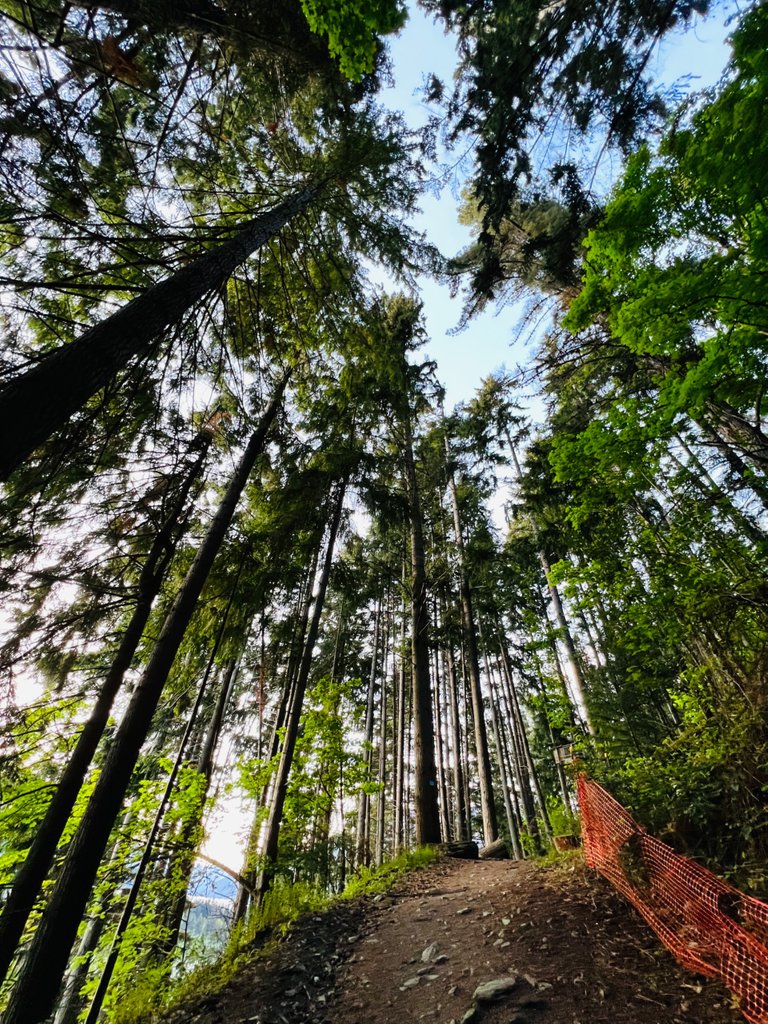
x=249, y=558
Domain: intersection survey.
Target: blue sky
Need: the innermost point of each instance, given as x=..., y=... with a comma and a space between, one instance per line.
x=422, y=47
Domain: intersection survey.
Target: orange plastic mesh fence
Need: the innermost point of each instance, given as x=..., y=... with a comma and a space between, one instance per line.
x=708, y=925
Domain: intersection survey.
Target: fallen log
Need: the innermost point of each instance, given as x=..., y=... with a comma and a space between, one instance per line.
x=466, y=850
x=497, y=850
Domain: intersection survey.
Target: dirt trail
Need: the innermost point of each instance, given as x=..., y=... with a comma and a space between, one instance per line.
x=578, y=952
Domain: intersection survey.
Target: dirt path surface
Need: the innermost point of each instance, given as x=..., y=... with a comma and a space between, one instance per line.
x=577, y=952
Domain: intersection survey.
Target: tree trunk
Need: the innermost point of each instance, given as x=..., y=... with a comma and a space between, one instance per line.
x=182, y=860
x=68, y=1010
x=504, y=776
x=29, y=880
x=745, y=474
x=461, y=829
x=294, y=715
x=557, y=605
x=442, y=766
x=94, y=1010
x=485, y=779
x=577, y=676
x=304, y=605
x=382, y=797
x=39, y=979
x=425, y=775
x=399, y=780
x=517, y=716
x=41, y=400
x=362, y=845
x=700, y=478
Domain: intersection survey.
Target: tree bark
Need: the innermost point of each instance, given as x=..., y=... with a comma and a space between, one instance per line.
x=94, y=1010
x=39, y=401
x=294, y=715
x=514, y=836
x=29, y=880
x=35, y=991
x=442, y=764
x=399, y=773
x=182, y=860
x=461, y=828
x=485, y=779
x=425, y=775
x=517, y=716
x=362, y=845
x=382, y=797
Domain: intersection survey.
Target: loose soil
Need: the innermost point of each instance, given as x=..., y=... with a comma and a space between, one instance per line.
x=579, y=953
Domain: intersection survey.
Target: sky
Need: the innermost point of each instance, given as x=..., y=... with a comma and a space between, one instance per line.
x=464, y=359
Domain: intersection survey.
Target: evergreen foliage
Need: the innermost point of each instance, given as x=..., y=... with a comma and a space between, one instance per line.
x=250, y=559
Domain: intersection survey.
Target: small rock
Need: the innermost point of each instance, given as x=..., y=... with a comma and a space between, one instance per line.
x=410, y=983
x=440, y=959
x=497, y=989
x=429, y=953
x=464, y=910
x=471, y=1015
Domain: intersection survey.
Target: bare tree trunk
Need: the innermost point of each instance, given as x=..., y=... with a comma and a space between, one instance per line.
x=39, y=401
x=274, y=821
x=29, y=880
x=183, y=858
x=35, y=991
x=304, y=605
x=94, y=1010
x=517, y=716
x=577, y=676
x=399, y=782
x=485, y=778
x=382, y=797
x=505, y=787
x=362, y=845
x=461, y=828
x=442, y=768
x=699, y=476
x=425, y=774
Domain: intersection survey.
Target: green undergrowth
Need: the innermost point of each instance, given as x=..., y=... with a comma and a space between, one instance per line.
x=562, y=861
x=153, y=997
x=371, y=881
